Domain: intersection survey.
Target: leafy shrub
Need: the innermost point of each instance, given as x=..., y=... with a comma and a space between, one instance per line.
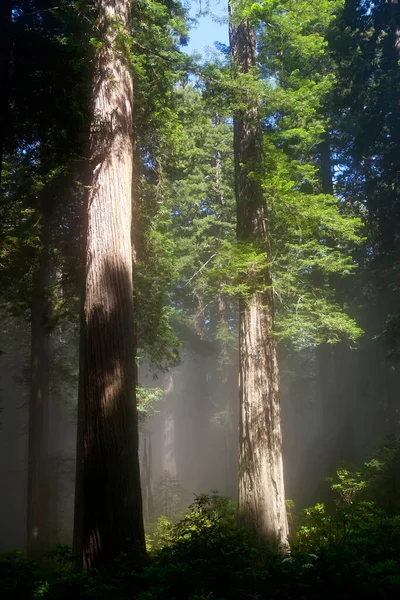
x=17, y=577
x=348, y=551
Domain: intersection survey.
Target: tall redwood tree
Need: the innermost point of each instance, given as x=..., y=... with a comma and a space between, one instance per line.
x=108, y=512
x=261, y=497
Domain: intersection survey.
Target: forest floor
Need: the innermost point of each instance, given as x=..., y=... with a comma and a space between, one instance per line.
x=346, y=549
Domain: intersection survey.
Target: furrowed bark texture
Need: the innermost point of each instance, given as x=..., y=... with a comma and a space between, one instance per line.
x=108, y=513
x=261, y=496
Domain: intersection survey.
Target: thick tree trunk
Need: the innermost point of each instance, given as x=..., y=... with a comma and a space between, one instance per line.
x=5, y=45
x=108, y=517
x=261, y=498
x=38, y=504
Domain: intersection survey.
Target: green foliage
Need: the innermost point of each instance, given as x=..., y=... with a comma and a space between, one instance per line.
x=204, y=555
x=366, y=501
x=62, y=557
x=17, y=576
x=199, y=199
x=366, y=120
x=155, y=276
x=238, y=270
x=158, y=29
x=382, y=476
x=45, y=155
x=147, y=399
x=313, y=236
x=310, y=236
x=350, y=552
x=209, y=512
x=199, y=192
x=44, y=142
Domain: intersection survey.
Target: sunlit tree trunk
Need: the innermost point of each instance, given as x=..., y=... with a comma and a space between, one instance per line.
x=108, y=512
x=38, y=503
x=261, y=497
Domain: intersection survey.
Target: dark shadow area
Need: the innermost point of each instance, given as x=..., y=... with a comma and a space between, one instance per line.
x=109, y=499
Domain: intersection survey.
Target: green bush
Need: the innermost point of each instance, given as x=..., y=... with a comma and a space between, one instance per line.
x=348, y=549
x=17, y=577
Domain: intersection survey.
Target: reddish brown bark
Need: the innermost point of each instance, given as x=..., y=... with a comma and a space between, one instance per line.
x=108, y=514
x=261, y=497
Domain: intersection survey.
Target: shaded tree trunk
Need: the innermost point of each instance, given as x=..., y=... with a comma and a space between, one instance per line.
x=199, y=324
x=223, y=392
x=392, y=303
x=108, y=510
x=147, y=479
x=261, y=496
x=5, y=46
x=336, y=380
x=38, y=502
x=325, y=353
x=326, y=166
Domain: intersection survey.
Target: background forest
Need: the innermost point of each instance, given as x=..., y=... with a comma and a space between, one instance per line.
x=200, y=300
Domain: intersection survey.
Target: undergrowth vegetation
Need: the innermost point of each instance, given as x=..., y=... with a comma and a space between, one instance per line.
x=349, y=548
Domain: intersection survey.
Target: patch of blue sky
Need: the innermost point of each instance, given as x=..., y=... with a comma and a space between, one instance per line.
x=210, y=27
